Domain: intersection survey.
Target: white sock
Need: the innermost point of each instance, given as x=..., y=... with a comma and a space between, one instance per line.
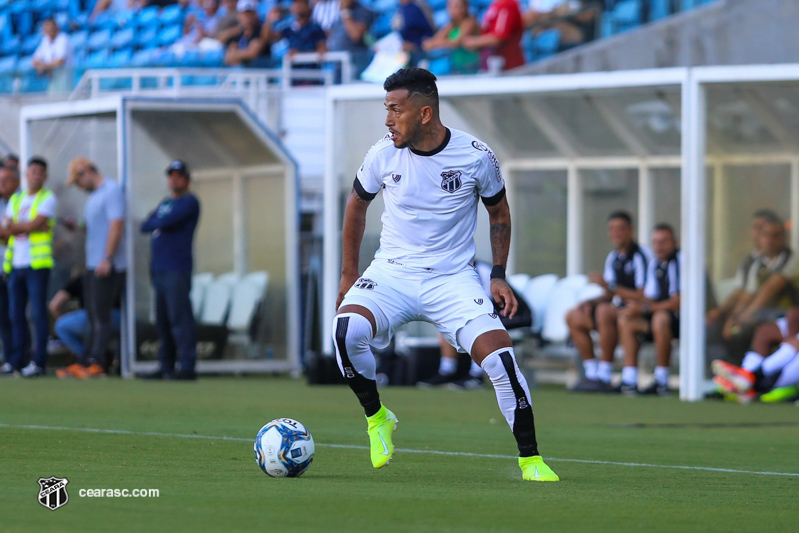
x=447, y=366
x=629, y=375
x=662, y=375
x=358, y=333
x=789, y=375
x=475, y=371
x=513, y=398
x=604, y=371
x=776, y=361
x=589, y=366
x=752, y=361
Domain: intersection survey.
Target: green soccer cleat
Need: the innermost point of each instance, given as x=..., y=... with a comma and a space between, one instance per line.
x=381, y=425
x=780, y=394
x=535, y=469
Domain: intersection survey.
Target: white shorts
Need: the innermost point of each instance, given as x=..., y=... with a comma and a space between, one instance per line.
x=396, y=295
x=782, y=323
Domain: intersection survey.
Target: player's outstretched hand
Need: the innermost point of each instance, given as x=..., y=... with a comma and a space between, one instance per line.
x=347, y=281
x=504, y=297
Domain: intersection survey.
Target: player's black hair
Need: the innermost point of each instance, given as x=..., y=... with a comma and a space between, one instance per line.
x=417, y=81
x=36, y=160
x=12, y=157
x=621, y=215
x=14, y=170
x=663, y=226
x=767, y=214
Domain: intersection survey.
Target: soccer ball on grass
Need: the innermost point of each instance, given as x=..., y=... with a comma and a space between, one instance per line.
x=284, y=448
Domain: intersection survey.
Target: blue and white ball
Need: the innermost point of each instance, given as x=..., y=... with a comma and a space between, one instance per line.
x=284, y=448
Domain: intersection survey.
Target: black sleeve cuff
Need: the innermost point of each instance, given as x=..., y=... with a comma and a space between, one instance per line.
x=491, y=200
x=367, y=196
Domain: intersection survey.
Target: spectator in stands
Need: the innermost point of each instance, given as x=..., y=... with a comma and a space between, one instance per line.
x=349, y=31
x=414, y=22
x=72, y=325
x=228, y=20
x=112, y=8
x=450, y=37
x=656, y=316
x=11, y=160
x=200, y=26
x=624, y=279
x=53, y=57
x=303, y=35
x=9, y=184
x=247, y=46
x=501, y=35
x=29, y=222
x=326, y=13
x=575, y=21
x=172, y=225
x=106, y=263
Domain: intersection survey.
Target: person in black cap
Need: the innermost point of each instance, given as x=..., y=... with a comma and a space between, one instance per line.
x=172, y=225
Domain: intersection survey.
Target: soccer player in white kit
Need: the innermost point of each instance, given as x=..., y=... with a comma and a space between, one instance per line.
x=432, y=178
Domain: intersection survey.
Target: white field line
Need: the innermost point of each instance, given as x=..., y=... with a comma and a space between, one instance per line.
x=402, y=450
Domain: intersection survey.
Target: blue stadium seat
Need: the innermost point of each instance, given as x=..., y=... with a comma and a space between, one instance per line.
x=25, y=64
x=441, y=66
x=122, y=38
x=171, y=15
x=98, y=59
x=170, y=34
x=385, y=7
x=5, y=27
x=79, y=40
x=212, y=58
x=382, y=26
x=164, y=58
x=190, y=59
x=546, y=43
x=120, y=58
x=99, y=39
x=24, y=20
x=148, y=16
x=626, y=15
x=8, y=65
x=142, y=58
x=10, y=46
x=148, y=38
x=659, y=9
x=62, y=19
x=440, y=17
x=30, y=44
x=435, y=5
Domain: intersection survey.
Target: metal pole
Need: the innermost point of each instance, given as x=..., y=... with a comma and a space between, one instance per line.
x=692, y=304
x=646, y=203
x=795, y=204
x=574, y=221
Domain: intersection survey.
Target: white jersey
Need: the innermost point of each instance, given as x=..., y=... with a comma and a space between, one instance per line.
x=431, y=199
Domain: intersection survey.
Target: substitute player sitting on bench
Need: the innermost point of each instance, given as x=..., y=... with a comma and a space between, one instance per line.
x=623, y=280
x=656, y=316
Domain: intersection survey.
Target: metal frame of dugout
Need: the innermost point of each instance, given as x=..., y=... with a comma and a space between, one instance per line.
x=221, y=140
x=642, y=121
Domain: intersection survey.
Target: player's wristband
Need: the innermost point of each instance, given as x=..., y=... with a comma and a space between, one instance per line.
x=498, y=272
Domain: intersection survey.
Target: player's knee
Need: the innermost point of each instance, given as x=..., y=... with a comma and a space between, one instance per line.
x=575, y=318
x=606, y=314
x=661, y=322
x=351, y=331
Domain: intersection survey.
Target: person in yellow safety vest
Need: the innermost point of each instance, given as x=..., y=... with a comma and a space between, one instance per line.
x=28, y=223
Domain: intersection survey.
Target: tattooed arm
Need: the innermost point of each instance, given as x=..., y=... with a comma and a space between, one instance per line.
x=499, y=219
x=351, y=237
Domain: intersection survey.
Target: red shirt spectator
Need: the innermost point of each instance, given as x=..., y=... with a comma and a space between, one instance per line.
x=502, y=34
x=503, y=19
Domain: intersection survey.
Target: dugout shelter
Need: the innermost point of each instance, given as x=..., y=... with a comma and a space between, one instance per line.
x=700, y=148
x=246, y=285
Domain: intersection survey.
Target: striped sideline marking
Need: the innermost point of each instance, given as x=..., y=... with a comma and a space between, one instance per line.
x=402, y=450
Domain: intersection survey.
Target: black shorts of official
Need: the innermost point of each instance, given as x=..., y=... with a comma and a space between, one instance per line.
x=675, y=326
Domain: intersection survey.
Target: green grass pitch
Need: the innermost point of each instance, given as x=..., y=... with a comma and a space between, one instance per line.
x=213, y=484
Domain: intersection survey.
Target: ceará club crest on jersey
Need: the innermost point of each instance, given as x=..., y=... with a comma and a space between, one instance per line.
x=451, y=180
